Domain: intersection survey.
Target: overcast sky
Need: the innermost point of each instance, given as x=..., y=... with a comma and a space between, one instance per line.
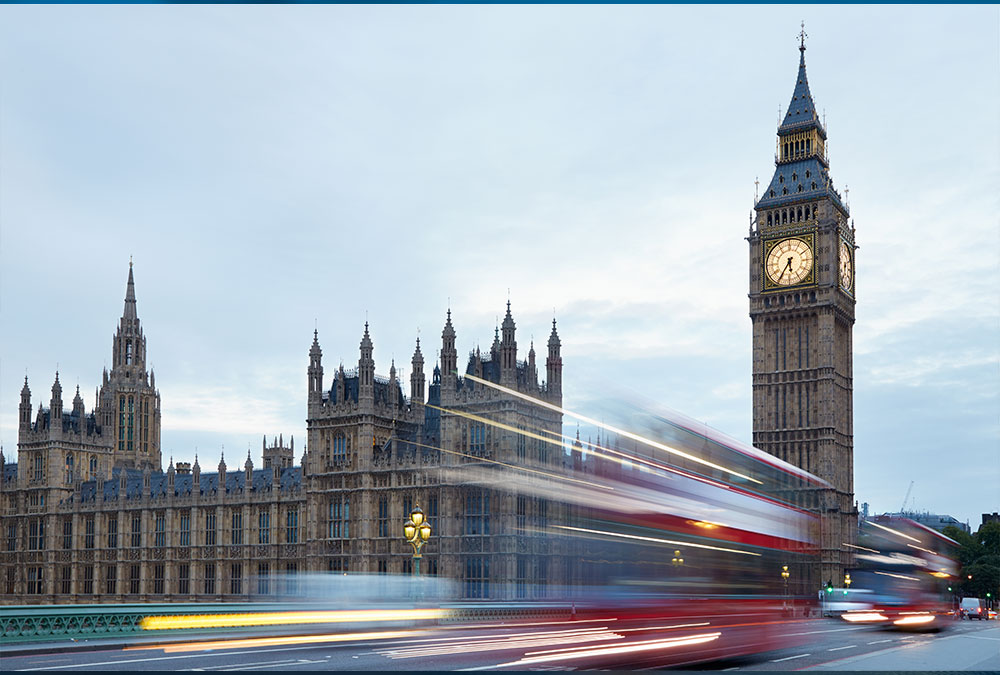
x=276, y=168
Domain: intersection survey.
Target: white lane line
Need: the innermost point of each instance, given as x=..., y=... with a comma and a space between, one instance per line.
x=789, y=658
x=837, y=649
x=170, y=658
x=833, y=630
x=255, y=666
x=733, y=668
x=878, y=642
x=231, y=666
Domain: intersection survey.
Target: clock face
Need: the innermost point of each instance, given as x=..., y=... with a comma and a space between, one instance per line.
x=846, y=267
x=789, y=262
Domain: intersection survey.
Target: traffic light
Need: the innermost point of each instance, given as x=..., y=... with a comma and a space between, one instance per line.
x=829, y=586
x=949, y=589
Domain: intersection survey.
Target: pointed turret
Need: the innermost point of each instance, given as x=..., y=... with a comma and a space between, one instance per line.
x=508, y=352
x=315, y=372
x=366, y=370
x=78, y=404
x=196, y=474
x=417, y=377
x=553, y=364
x=495, y=347
x=248, y=468
x=55, y=404
x=449, y=355
x=24, y=410
x=532, y=368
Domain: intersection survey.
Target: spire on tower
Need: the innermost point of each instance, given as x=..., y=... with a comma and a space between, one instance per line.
x=130, y=312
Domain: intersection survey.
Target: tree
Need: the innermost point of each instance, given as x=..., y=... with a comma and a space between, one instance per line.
x=979, y=555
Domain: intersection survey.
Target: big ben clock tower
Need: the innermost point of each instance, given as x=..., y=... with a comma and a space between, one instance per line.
x=802, y=296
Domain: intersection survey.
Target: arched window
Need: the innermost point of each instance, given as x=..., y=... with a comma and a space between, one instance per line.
x=339, y=449
x=800, y=208
x=128, y=353
x=768, y=218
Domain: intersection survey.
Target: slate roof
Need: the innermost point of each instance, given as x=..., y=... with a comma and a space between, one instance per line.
x=382, y=390
x=801, y=114
x=789, y=177
x=491, y=372
x=262, y=480
x=71, y=421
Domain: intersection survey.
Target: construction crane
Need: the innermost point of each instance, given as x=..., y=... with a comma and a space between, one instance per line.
x=902, y=509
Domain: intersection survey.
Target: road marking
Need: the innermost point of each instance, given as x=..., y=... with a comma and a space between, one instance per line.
x=833, y=630
x=837, y=649
x=170, y=658
x=277, y=664
x=733, y=668
x=789, y=658
x=878, y=642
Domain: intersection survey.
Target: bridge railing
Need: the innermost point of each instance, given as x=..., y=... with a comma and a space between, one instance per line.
x=21, y=624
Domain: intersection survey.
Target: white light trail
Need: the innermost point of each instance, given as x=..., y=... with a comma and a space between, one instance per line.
x=654, y=539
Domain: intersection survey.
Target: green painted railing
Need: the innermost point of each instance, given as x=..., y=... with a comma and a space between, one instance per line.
x=34, y=623
x=27, y=623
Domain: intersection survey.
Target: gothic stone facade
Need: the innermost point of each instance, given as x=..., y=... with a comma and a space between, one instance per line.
x=89, y=516
x=802, y=297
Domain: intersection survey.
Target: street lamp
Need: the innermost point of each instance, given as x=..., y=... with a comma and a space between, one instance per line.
x=847, y=580
x=417, y=531
x=784, y=576
x=677, y=560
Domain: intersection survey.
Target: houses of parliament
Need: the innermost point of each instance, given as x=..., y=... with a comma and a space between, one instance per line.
x=90, y=516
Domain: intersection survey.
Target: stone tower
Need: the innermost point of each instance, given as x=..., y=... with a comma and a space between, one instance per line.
x=128, y=403
x=802, y=297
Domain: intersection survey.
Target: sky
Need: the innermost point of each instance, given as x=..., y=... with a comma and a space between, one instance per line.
x=272, y=170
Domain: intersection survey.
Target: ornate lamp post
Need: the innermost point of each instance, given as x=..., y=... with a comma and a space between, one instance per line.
x=677, y=560
x=784, y=575
x=417, y=531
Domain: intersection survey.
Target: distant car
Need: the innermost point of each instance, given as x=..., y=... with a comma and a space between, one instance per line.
x=973, y=608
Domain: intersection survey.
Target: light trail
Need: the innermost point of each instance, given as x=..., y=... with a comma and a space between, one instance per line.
x=862, y=548
x=608, y=427
x=898, y=576
x=286, y=618
x=654, y=539
x=590, y=652
x=501, y=643
x=277, y=641
x=505, y=464
x=889, y=529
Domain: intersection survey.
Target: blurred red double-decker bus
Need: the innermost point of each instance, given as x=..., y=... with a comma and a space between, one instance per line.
x=683, y=542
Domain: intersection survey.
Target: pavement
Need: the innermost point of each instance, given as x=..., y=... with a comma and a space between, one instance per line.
x=979, y=651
